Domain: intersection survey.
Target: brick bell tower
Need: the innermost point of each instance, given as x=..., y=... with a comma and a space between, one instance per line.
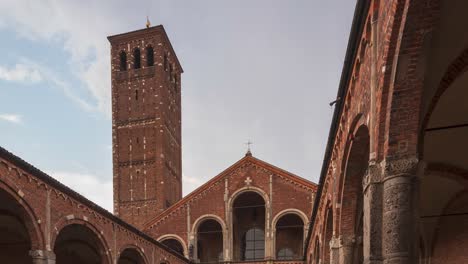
x=146, y=124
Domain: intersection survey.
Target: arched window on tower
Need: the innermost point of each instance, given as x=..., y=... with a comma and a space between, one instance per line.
x=149, y=56
x=123, y=61
x=137, y=59
x=166, y=63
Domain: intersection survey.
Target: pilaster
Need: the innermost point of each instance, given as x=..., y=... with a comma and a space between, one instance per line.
x=372, y=229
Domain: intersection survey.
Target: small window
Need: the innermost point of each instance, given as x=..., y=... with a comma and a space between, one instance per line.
x=136, y=95
x=123, y=61
x=137, y=59
x=166, y=63
x=149, y=56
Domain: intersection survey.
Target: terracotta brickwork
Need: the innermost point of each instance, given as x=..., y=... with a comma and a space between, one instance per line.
x=283, y=193
x=49, y=207
x=146, y=124
x=373, y=203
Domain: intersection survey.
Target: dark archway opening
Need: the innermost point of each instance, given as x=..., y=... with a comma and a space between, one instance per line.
x=77, y=244
x=328, y=235
x=15, y=242
x=289, y=237
x=210, y=242
x=352, y=197
x=249, y=227
x=316, y=256
x=174, y=244
x=130, y=256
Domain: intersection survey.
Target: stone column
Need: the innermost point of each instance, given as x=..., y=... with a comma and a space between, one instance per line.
x=334, y=250
x=399, y=225
x=372, y=229
x=347, y=245
x=42, y=256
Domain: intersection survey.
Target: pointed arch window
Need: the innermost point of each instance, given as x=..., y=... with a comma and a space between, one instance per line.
x=137, y=59
x=149, y=56
x=123, y=61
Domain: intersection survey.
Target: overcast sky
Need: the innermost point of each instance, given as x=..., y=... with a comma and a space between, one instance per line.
x=255, y=70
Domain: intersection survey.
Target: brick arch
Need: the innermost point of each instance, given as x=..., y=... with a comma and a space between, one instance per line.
x=457, y=68
x=202, y=218
x=328, y=233
x=360, y=120
x=297, y=212
x=455, y=232
x=390, y=55
x=71, y=220
x=199, y=222
x=230, y=216
x=316, y=252
x=290, y=211
x=248, y=189
x=177, y=238
x=28, y=216
x=138, y=249
x=354, y=165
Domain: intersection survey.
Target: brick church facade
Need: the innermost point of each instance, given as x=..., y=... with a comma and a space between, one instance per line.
x=393, y=186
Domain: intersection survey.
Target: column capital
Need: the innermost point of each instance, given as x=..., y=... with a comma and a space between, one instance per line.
x=373, y=174
x=400, y=167
x=42, y=256
x=347, y=241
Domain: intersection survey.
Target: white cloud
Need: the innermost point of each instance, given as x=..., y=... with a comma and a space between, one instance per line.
x=81, y=29
x=20, y=73
x=88, y=185
x=12, y=118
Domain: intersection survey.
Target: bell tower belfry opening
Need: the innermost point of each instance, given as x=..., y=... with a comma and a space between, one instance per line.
x=146, y=124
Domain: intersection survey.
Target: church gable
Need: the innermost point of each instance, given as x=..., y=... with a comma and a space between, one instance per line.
x=280, y=190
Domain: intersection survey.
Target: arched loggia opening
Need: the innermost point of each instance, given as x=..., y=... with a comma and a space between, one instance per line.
x=315, y=259
x=131, y=256
x=174, y=244
x=443, y=185
x=328, y=235
x=352, y=197
x=248, y=220
x=15, y=241
x=289, y=237
x=77, y=244
x=210, y=242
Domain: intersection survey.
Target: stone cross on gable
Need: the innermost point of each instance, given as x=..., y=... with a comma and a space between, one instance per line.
x=248, y=181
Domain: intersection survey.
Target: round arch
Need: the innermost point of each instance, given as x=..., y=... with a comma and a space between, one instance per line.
x=195, y=229
x=177, y=238
x=328, y=232
x=139, y=252
x=295, y=211
x=303, y=218
x=248, y=189
x=231, y=200
x=69, y=222
x=202, y=218
x=27, y=215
